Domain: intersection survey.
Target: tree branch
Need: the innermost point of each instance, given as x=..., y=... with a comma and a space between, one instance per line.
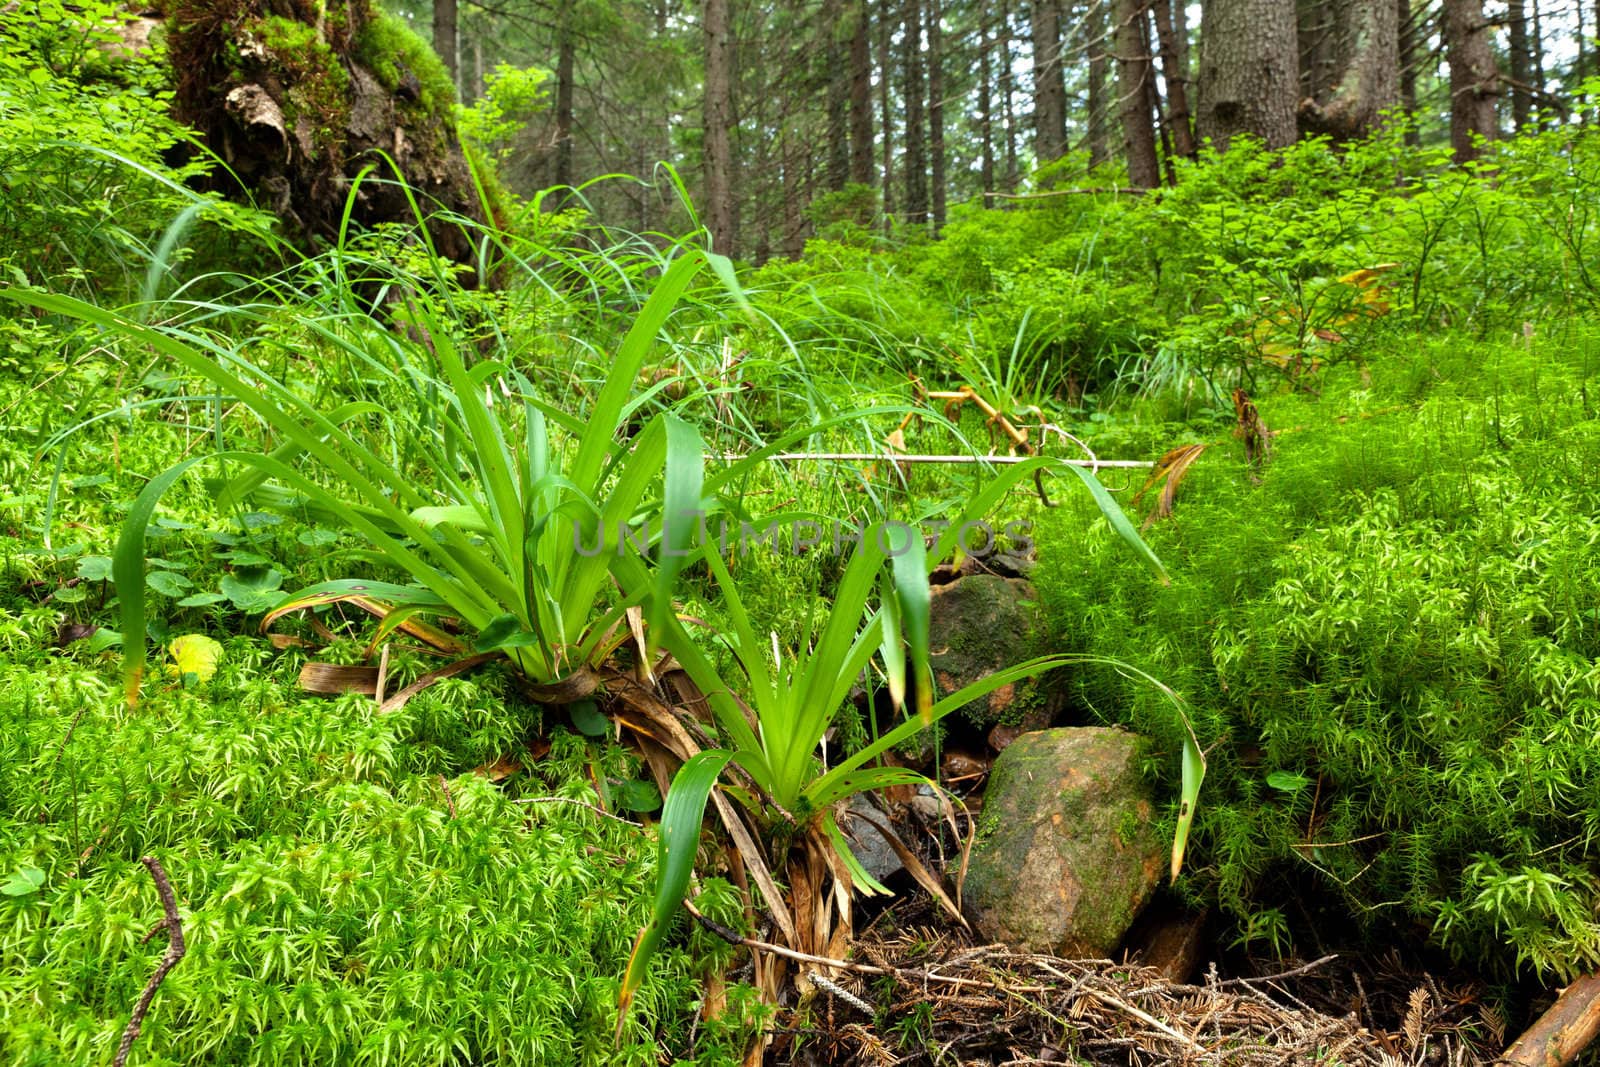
x=175, y=950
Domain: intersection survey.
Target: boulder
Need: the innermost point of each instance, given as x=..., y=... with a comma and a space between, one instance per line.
x=1067, y=852
x=979, y=624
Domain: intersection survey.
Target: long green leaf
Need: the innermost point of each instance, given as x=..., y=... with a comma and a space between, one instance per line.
x=127, y=570
x=1118, y=520
x=679, y=838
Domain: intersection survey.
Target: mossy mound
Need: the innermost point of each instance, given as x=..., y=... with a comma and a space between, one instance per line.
x=298, y=97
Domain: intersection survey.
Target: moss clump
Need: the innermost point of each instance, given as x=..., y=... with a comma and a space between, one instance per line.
x=392, y=50
x=319, y=85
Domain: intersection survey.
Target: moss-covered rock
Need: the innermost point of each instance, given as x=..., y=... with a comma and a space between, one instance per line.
x=1067, y=853
x=298, y=97
x=983, y=623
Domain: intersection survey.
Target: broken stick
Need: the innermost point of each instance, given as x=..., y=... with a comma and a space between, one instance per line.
x=1564, y=1031
x=175, y=950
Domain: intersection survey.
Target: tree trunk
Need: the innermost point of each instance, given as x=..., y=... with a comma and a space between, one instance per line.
x=444, y=37
x=1521, y=64
x=566, y=56
x=1093, y=37
x=719, y=120
x=296, y=130
x=1473, y=77
x=793, y=241
x=1177, y=79
x=1049, y=87
x=1407, y=21
x=836, y=87
x=916, y=124
x=936, y=111
x=1007, y=91
x=1133, y=91
x=860, y=95
x=1247, y=72
x=1346, y=98
x=985, y=105
x=885, y=108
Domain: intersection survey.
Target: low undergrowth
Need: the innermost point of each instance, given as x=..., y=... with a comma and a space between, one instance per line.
x=351, y=890
x=1390, y=645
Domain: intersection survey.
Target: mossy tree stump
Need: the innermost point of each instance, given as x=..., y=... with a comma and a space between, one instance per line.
x=297, y=97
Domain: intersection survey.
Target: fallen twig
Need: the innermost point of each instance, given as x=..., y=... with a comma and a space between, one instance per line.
x=175, y=950
x=1560, y=1034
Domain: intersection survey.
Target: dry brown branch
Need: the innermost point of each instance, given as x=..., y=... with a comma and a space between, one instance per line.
x=175, y=950
x=1564, y=1031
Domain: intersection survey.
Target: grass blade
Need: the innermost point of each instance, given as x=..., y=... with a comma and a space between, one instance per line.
x=679, y=839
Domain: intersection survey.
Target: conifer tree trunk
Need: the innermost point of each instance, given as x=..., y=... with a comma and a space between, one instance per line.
x=1474, y=81
x=1093, y=35
x=718, y=207
x=836, y=91
x=1177, y=78
x=1049, y=87
x=861, y=168
x=985, y=105
x=1007, y=92
x=885, y=108
x=916, y=121
x=445, y=39
x=1407, y=21
x=566, y=55
x=936, y=111
x=1248, y=72
x=1356, y=71
x=1133, y=91
x=1521, y=64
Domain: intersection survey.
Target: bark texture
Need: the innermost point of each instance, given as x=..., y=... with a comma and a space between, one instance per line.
x=860, y=95
x=1093, y=40
x=298, y=98
x=1248, y=73
x=1049, y=87
x=1135, y=85
x=936, y=111
x=719, y=120
x=916, y=121
x=445, y=41
x=1353, y=73
x=1176, y=76
x=1521, y=59
x=1474, y=80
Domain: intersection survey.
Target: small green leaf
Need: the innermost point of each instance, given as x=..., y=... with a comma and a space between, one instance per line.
x=24, y=882
x=201, y=600
x=504, y=631
x=168, y=583
x=253, y=591
x=1287, y=781
x=638, y=795
x=587, y=719
x=95, y=568
x=103, y=639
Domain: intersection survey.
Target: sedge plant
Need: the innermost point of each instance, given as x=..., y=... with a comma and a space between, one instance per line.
x=880, y=610
x=496, y=545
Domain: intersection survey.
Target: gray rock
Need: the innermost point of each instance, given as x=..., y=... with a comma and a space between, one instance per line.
x=1067, y=853
x=876, y=856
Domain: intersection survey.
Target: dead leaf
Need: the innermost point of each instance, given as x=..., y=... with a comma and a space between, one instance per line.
x=336, y=679
x=499, y=770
